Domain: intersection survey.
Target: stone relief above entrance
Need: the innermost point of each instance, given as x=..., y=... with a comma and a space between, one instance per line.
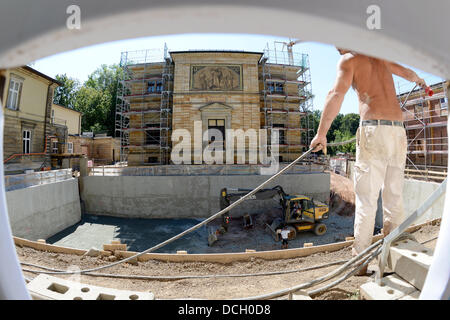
x=216, y=77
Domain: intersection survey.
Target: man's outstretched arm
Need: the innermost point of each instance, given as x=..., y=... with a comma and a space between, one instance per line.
x=333, y=102
x=406, y=74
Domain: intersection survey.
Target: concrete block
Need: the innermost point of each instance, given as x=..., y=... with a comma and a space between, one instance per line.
x=411, y=261
x=181, y=252
x=391, y=288
x=41, y=240
x=250, y=250
x=133, y=261
x=115, y=242
x=413, y=296
x=114, y=247
x=308, y=244
x=112, y=258
x=299, y=295
x=53, y=288
x=93, y=252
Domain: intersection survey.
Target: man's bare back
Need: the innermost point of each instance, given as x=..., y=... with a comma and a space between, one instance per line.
x=373, y=82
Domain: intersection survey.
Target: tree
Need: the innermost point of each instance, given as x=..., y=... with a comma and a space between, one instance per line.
x=342, y=128
x=65, y=94
x=350, y=123
x=94, y=105
x=346, y=148
x=105, y=80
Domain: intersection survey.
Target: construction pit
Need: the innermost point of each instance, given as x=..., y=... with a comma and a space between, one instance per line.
x=140, y=234
x=189, y=267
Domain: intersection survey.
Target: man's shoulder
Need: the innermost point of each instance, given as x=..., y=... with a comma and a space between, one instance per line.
x=348, y=59
x=353, y=60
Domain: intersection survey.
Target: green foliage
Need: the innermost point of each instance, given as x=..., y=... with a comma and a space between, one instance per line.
x=95, y=99
x=342, y=128
x=343, y=136
x=65, y=94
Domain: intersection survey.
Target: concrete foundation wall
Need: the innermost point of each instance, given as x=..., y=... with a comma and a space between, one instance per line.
x=415, y=192
x=41, y=211
x=186, y=196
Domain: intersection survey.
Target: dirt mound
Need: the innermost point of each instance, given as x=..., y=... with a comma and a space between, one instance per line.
x=342, y=195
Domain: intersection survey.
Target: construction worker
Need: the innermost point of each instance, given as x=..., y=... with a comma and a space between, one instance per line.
x=297, y=210
x=284, y=236
x=381, y=141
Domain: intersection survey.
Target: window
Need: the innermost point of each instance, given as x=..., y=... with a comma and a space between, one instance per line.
x=26, y=141
x=53, y=115
x=152, y=137
x=418, y=110
x=281, y=132
x=444, y=107
x=154, y=86
x=70, y=147
x=275, y=87
x=54, y=146
x=216, y=124
x=153, y=160
x=15, y=87
x=420, y=146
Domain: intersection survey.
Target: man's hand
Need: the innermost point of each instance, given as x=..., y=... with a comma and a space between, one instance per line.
x=421, y=83
x=318, y=143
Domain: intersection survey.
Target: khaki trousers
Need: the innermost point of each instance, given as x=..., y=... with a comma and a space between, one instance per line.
x=380, y=164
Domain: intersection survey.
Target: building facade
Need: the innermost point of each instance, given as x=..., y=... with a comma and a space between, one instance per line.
x=26, y=96
x=425, y=119
x=194, y=98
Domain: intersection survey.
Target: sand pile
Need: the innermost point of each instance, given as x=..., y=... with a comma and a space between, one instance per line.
x=342, y=195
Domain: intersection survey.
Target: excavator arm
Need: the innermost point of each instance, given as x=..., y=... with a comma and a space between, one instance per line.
x=226, y=198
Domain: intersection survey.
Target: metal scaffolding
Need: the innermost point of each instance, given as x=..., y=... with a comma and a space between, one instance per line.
x=145, y=104
x=285, y=104
x=143, y=110
x=425, y=119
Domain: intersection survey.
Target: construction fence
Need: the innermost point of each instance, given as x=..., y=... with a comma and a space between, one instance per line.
x=20, y=181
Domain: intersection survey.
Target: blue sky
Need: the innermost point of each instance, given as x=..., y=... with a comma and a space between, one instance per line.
x=323, y=59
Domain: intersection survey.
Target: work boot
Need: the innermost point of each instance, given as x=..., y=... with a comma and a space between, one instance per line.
x=362, y=272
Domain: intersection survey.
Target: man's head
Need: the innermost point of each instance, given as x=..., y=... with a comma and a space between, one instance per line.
x=342, y=51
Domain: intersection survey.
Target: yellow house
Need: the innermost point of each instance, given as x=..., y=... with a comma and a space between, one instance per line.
x=26, y=96
x=67, y=117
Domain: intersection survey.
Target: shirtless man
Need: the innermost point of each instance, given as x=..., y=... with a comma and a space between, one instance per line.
x=381, y=142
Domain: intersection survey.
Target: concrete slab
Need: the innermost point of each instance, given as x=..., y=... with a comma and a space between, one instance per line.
x=53, y=288
x=411, y=261
x=392, y=288
x=134, y=234
x=141, y=234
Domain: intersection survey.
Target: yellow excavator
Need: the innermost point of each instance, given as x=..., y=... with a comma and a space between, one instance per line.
x=299, y=212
